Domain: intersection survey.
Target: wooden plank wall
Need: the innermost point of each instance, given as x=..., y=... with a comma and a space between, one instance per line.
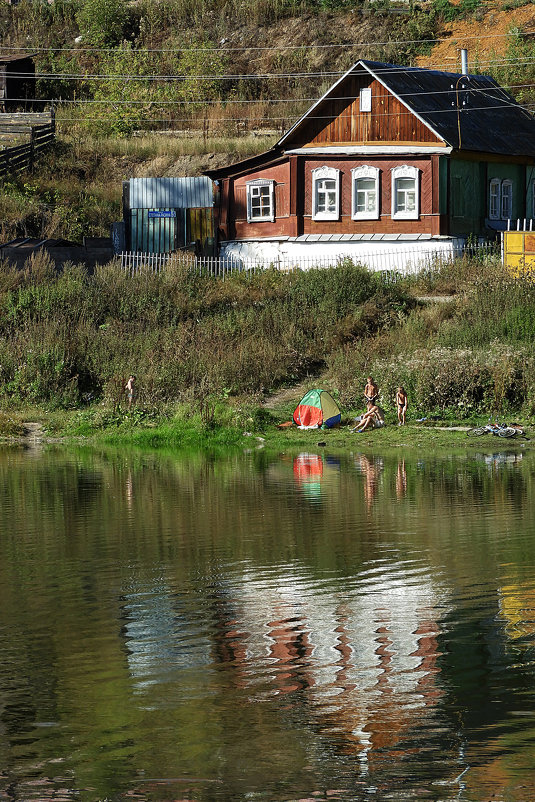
x=341, y=121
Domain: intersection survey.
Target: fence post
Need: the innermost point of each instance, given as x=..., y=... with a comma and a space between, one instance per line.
x=32, y=148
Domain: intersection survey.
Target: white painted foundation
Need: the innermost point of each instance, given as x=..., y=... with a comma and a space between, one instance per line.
x=400, y=255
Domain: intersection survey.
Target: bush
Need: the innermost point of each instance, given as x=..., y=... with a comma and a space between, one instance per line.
x=102, y=23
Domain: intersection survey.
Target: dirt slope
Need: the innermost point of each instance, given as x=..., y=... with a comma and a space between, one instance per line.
x=484, y=38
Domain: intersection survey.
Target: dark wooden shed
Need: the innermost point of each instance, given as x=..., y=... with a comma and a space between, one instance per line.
x=17, y=81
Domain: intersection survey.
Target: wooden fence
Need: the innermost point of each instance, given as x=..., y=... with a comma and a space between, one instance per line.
x=41, y=129
x=389, y=262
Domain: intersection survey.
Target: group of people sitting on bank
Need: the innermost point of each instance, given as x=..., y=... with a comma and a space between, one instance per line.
x=374, y=417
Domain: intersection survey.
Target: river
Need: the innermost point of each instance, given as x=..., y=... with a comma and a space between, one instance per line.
x=266, y=626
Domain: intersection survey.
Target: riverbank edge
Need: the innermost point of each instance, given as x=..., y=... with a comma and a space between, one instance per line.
x=52, y=428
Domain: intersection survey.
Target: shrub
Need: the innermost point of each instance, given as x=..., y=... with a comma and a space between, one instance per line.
x=102, y=23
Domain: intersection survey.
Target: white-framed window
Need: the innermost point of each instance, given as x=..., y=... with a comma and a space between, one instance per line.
x=507, y=199
x=500, y=199
x=325, y=193
x=494, y=199
x=405, y=192
x=365, y=193
x=260, y=200
x=366, y=99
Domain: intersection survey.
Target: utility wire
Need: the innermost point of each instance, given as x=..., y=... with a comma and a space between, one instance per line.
x=240, y=77
x=487, y=91
x=463, y=111
x=484, y=91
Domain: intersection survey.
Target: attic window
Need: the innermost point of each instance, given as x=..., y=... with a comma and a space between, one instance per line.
x=366, y=99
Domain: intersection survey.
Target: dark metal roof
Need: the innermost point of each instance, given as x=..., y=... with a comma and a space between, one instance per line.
x=7, y=58
x=490, y=119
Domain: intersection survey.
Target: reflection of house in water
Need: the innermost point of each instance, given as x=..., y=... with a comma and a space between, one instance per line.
x=366, y=658
x=517, y=606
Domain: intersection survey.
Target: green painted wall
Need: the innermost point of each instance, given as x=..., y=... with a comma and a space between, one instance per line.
x=530, y=191
x=466, y=197
x=468, y=191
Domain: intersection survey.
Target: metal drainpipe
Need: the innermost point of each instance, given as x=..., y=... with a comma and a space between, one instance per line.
x=464, y=61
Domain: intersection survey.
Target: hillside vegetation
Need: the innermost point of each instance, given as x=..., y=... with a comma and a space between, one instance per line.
x=71, y=341
x=149, y=88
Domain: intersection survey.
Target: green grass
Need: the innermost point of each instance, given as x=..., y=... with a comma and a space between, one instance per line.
x=188, y=432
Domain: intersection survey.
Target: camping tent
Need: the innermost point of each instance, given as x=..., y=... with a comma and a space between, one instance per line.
x=317, y=408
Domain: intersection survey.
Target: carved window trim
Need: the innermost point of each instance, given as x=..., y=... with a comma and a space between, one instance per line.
x=404, y=172
x=325, y=190
x=367, y=172
x=260, y=204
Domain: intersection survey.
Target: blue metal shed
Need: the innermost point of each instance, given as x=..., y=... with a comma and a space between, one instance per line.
x=166, y=214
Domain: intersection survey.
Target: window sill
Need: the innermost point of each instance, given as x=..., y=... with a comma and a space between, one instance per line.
x=405, y=216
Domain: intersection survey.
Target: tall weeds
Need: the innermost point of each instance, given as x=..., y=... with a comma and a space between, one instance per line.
x=67, y=338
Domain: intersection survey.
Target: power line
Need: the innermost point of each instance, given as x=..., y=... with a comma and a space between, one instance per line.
x=280, y=119
x=486, y=90
x=57, y=76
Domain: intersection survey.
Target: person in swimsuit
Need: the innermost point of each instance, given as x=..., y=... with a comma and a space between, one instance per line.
x=371, y=391
x=373, y=418
x=401, y=405
x=131, y=391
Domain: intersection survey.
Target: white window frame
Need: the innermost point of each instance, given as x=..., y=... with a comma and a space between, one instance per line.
x=365, y=99
x=495, y=199
x=251, y=186
x=322, y=174
x=367, y=172
x=506, y=199
x=406, y=171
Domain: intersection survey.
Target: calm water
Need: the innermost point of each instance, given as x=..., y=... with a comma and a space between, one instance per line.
x=266, y=628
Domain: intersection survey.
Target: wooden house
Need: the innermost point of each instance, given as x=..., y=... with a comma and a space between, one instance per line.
x=390, y=159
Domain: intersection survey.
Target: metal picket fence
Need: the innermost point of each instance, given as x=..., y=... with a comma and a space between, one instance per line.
x=397, y=262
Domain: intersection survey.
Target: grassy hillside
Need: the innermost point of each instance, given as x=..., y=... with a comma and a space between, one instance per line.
x=71, y=341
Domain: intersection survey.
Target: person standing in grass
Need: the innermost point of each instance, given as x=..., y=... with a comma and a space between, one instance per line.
x=131, y=391
x=401, y=405
x=371, y=391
